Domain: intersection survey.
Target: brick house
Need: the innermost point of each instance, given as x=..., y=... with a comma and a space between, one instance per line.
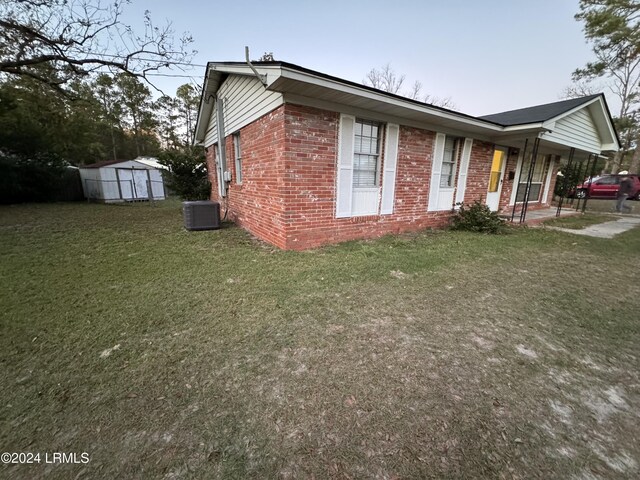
x=301, y=159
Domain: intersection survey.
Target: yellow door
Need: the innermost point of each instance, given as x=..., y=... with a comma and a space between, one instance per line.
x=495, y=180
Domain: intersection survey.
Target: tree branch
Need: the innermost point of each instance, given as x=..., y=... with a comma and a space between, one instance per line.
x=61, y=40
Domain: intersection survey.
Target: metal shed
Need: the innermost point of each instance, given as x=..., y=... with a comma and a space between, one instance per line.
x=123, y=181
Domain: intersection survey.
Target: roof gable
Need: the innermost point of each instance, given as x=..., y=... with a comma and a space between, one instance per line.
x=576, y=129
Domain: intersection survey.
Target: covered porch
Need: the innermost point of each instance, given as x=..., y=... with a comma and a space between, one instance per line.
x=570, y=135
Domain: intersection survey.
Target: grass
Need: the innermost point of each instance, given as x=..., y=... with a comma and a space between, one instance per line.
x=579, y=222
x=175, y=354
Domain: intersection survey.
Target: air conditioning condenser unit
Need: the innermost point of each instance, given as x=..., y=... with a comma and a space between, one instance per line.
x=201, y=215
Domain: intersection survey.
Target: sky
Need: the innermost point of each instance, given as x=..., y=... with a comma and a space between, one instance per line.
x=487, y=55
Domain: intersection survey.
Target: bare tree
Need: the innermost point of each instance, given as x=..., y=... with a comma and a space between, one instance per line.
x=386, y=79
x=266, y=57
x=56, y=41
x=580, y=88
x=414, y=93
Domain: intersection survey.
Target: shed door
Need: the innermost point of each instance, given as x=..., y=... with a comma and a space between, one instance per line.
x=140, y=183
x=125, y=179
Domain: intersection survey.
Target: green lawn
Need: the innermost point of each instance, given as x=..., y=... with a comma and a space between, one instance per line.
x=578, y=222
x=172, y=354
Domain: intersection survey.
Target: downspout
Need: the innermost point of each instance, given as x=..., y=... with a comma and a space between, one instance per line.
x=262, y=78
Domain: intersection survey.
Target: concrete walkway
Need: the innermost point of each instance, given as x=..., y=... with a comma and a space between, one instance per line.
x=540, y=215
x=607, y=229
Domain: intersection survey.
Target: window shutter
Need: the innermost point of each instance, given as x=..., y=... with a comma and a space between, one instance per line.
x=464, y=167
x=344, y=181
x=390, y=163
x=436, y=168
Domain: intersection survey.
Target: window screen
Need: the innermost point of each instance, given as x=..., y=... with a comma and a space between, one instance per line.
x=537, y=179
x=448, y=173
x=366, y=154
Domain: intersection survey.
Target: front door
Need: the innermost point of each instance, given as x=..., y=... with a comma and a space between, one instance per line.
x=498, y=166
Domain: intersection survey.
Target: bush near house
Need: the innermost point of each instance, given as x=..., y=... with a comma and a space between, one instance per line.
x=477, y=217
x=187, y=175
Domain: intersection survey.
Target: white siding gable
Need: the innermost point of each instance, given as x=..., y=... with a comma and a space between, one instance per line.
x=245, y=100
x=576, y=130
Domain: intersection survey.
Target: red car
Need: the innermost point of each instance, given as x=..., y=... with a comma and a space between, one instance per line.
x=607, y=187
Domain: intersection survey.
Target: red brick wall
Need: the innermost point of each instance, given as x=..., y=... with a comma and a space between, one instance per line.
x=311, y=144
x=258, y=203
x=479, y=172
x=288, y=192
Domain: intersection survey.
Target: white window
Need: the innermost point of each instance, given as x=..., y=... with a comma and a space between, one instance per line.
x=537, y=179
x=366, y=154
x=361, y=187
x=449, y=162
x=238, y=156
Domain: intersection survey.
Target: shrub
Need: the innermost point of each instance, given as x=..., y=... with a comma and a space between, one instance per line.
x=37, y=178
x=477, y=218
x=569, y=179
x=187, y=175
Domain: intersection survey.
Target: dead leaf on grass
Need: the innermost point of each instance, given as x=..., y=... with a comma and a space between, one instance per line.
x=350, y=401
x=398, y=274
x=109, y=351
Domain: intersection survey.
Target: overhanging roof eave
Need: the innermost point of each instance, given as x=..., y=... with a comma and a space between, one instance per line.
x=290, y=76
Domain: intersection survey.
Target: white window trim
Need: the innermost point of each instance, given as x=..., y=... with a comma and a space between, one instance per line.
x=378, y=173
x=440, y=198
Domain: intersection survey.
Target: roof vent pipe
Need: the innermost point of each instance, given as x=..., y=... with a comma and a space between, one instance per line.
x=262, y=78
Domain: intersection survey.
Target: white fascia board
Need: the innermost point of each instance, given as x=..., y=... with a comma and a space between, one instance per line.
x=603, y=121
x=610, y=147
x=381, y=117
x=204, y=112
x=538, y=126
x=575, y=109
x=215, y=70
x=206, y=106
x=362, y=92
x=550, y=125
x=270, y=72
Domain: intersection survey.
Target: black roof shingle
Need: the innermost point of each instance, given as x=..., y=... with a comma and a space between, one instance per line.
x=539, y=113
